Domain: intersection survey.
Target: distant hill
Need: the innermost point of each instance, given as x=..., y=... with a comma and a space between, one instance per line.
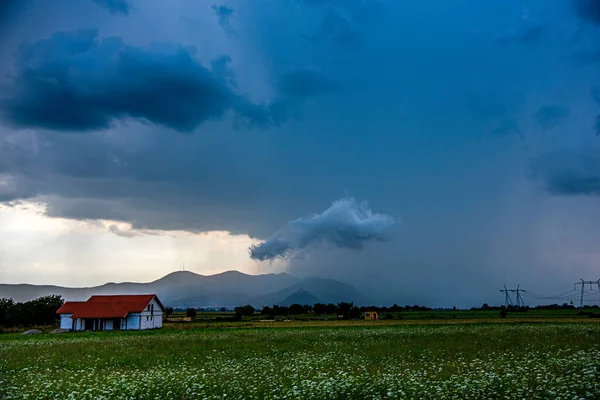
x=188, y=289
x=300, y=297
x=326, y=290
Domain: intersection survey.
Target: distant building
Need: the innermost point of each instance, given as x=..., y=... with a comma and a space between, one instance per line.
x=112, y=312
x=370, y=315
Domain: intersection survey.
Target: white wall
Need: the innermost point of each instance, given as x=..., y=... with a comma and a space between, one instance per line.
x=133, y=321
x=66, y=322
x=108, y=325
x=152, y=320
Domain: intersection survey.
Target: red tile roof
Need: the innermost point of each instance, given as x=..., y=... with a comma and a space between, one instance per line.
x=70, y=307
x=108, y=306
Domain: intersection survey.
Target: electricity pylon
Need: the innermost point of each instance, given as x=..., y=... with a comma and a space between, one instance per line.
x=583, y=283
x=508, y=299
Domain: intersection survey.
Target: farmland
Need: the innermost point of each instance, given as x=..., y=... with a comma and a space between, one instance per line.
x=320, y=359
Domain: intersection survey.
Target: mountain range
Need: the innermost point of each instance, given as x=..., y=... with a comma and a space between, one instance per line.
x=187, y=289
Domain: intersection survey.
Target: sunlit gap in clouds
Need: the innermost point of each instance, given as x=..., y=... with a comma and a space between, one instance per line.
x=52, y=250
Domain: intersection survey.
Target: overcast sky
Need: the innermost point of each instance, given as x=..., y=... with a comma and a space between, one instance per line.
x=139, y=135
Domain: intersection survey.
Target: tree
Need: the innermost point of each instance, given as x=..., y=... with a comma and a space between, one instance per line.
x=280, y=310
x=296, y=309
x=320, y=309
x=40, y=311
x=348, y=310
x=266, y=310
x=395, y=308
x=191, y=313
x=168, y=311
x=244, y=311
x=333, y=309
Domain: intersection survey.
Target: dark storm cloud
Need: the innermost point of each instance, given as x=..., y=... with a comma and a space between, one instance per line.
x=588, y=10
x=220, y=67
x=549, y=116
x=346, y=225
x=115, y=6
x=8, y=10
x=224, y=15
x=569, y=171
x=76, y=81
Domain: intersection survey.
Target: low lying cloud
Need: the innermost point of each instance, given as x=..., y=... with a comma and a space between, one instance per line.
x=77, y=81
x=116, y=230
x=346, y=224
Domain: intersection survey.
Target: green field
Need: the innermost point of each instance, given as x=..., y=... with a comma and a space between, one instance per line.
x=345, y=360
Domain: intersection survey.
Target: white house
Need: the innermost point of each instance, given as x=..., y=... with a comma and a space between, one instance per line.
x=112, y=312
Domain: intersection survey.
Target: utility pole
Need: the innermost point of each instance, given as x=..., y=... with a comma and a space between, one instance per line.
x=508, y=300
x=583, y=283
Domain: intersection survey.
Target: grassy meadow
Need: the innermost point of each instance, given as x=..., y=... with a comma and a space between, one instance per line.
x=310, y=360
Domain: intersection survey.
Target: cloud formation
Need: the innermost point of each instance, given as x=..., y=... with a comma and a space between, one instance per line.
x=346, y=224
x=224, y=14
x=588, y=10
x=115, y=6
x=116, y=230
x=77, y=81
x=569, y=171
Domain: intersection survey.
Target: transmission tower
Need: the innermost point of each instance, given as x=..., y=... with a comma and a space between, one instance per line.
x=508, y=299
x=583, y=283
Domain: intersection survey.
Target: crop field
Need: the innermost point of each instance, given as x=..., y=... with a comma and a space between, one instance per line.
x=545, y=360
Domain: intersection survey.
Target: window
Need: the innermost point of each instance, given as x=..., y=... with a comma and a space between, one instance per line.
x=146, y=316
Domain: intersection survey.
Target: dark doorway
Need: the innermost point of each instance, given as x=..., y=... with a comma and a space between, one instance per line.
x=89, y=324
x=116, y=324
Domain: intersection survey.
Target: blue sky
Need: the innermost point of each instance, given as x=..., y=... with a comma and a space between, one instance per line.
x=146, y=127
